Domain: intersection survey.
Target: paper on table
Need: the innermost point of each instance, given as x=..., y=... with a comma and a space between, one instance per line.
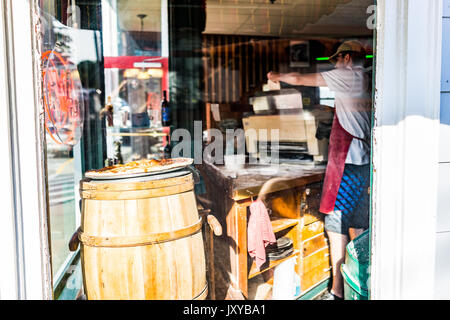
x=273, y=85
x=284, y=281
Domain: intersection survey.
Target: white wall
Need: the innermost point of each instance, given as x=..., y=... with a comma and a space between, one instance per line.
x=406, y=149
x=442, y=274
x=9, y=285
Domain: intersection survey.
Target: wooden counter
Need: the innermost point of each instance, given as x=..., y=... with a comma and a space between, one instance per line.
x=292, y=196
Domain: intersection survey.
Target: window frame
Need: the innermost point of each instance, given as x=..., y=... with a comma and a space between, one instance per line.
x=394, y=219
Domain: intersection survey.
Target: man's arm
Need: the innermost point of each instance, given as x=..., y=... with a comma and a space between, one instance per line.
x=297, y=79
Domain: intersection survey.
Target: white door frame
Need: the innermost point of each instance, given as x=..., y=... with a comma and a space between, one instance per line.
x=25, y=271
x=406, y=148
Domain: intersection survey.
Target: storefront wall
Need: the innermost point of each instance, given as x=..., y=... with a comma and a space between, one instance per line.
x=442, y=276
x=405, y=159
x=406, y=149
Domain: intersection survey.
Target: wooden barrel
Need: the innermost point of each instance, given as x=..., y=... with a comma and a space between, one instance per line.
x=141, y=240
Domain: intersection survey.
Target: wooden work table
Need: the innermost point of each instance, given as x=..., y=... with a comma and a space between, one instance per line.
x=292, y=196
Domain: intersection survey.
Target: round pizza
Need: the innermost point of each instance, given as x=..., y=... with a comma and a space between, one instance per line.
x=139, y=167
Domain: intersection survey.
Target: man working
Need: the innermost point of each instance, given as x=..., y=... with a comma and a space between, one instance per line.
x=345, y=196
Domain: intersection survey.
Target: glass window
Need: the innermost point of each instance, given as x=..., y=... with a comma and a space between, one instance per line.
x=103, y=79
x=71, y=59
x=286, y=73
x=255, y=91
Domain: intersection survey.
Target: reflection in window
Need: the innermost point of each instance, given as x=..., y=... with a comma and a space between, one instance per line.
x=107, y=64
x=103, y=78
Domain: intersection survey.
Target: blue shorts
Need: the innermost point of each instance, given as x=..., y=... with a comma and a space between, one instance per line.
x=352, y=203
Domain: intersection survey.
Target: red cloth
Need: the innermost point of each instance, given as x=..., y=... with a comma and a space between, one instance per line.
x=259, y=232
x=340, y=141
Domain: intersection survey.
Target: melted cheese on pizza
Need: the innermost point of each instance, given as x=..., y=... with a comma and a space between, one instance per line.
x=135, y=166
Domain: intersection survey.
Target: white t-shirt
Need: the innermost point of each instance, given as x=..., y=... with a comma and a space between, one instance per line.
x=353, y=108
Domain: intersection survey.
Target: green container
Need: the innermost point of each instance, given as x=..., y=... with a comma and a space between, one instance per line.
x=356, y=270
x=352, y=288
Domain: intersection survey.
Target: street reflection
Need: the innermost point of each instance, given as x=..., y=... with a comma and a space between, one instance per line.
x=62, y=200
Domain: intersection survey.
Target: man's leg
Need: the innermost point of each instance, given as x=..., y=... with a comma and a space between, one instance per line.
x=337, y=230
x=354, y=233
x=338, y=243
x=347, y=219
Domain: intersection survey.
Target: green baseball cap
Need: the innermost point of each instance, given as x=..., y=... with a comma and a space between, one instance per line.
x=352, y=45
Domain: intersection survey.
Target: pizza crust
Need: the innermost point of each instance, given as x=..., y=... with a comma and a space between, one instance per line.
x=139, y=167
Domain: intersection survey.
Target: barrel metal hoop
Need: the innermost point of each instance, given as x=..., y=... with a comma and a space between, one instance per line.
x=202, y=295
x=137, y=194
x=135, y=241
